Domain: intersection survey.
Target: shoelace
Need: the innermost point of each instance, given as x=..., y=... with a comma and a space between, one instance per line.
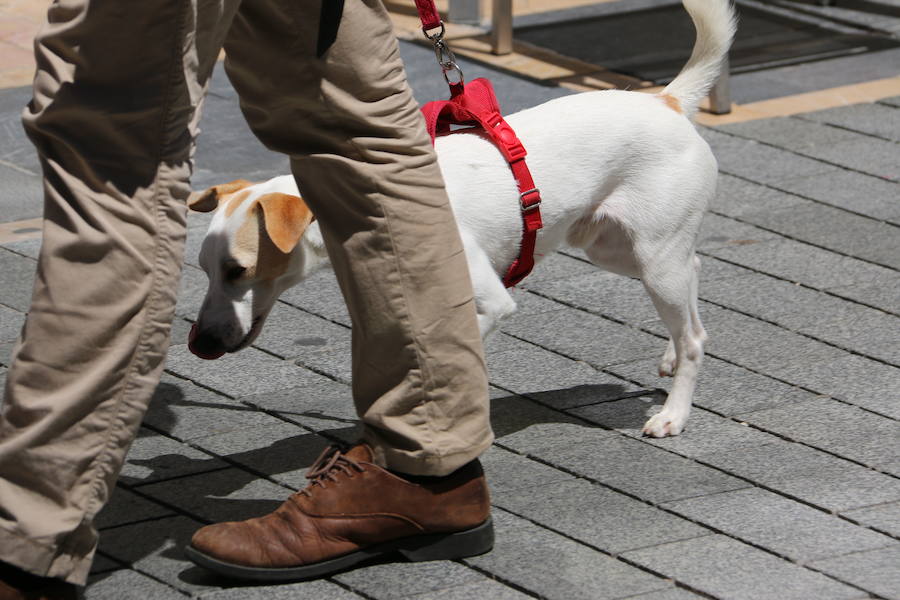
x=331, y=461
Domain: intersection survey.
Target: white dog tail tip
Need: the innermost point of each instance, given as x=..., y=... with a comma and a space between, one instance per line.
x=715, y=23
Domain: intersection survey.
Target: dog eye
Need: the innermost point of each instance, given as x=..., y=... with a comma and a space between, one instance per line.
x=234, y=273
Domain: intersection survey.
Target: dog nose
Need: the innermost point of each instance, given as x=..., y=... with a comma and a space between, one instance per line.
x=204, y=345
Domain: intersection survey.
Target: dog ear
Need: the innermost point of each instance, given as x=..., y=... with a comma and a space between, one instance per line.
x=208, y=200
x=286, y=218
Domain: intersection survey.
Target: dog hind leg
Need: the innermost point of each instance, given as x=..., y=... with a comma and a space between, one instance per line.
x=673, y=289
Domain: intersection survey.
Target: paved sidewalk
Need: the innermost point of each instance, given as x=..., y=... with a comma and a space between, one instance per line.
x=786, y=483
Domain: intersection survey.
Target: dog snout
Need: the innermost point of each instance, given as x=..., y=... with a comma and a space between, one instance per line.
x=205, y=343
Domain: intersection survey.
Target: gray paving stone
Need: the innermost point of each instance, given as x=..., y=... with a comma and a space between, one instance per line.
x=862, y=237
x=11, y=322
x=483, y=588
x=249, y=371
x=875, y=570
x=601, y=293
x=226, y=495
x=704, y=434
x=884, y=294
x=856, y=192
x=727, y=568
x=810, y=475
x=334, y=361
x=529, y=303
x=892, y=101
x=856, y=379
x=403, y=579
x=126, y=584
x=17, y=280
x=498, y=342
x=154, y=457
x=587, y=337
x=725, y=232
x=788, y=304
x=622, y=463
x=872, y=119
x=181, y=330
x=869, y=332
x=197, y=226
x=779, y=524
x=186, y=411
x=599, y=517
x=320, y=295
x=283, y=451
x=291, y=333
x=522, y=423
x=670, y=594
x=721, y=387
x=744, y=199
x=559, y=266
x=823, y=142
x=6, y=351
x=15, y=147
x=191, y=291
x=553, y=379
x=126, y=507
x=319, y=401
x=884, y=517
x=156, y=549
x=319, y=589
x=865, y=330
x=799, y=262
x=510, y=474
x=557, y=567
x=103, y=565
x=838, y=428
x=758, y=162
x=28, y=247
x=713, y=269
x=21, y=196
x=790, y=133
x=764, y=347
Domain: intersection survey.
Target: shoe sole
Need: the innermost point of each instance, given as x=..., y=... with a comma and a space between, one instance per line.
x=440, y=546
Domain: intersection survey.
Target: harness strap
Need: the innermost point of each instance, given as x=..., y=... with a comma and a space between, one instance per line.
x=476, y=105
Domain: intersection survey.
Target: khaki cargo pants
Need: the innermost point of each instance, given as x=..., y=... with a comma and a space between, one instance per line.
x=116, y=103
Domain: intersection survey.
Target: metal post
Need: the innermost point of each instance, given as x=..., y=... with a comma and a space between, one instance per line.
x=720, y=95
x=466, y=12
x=501, y=27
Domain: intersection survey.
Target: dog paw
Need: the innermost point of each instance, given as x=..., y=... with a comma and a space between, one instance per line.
x=669, y=359
x=667, y=368
x=663, y=425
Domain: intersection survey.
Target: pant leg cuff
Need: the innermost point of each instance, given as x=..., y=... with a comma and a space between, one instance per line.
x=421, y=463
x=44, y=561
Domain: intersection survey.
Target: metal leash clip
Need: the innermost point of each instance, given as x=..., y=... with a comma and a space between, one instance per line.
x=445, y=57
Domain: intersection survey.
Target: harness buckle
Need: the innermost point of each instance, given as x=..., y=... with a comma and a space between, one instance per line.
x=506, y=138
x=530, y=205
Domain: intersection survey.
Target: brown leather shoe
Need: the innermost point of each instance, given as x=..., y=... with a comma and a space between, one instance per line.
x=16, y=584
x=352, y=510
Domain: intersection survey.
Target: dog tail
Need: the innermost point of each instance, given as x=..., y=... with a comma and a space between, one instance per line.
x=715, y=23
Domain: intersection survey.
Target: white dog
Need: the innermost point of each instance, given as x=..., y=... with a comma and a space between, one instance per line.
x=623, y=175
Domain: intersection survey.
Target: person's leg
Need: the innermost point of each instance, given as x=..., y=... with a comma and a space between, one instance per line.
x=364, y=163
x=115, y=108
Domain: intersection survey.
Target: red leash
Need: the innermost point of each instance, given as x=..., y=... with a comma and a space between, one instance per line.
x=475, y=105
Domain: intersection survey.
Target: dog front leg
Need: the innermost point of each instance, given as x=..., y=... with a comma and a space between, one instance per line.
x=492, y=301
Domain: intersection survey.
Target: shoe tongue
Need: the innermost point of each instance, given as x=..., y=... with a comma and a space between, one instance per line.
x=360, y=453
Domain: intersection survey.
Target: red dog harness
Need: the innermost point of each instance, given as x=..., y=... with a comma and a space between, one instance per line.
x=475, y=105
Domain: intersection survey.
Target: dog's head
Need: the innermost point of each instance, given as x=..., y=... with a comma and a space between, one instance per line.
x=263, y=239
